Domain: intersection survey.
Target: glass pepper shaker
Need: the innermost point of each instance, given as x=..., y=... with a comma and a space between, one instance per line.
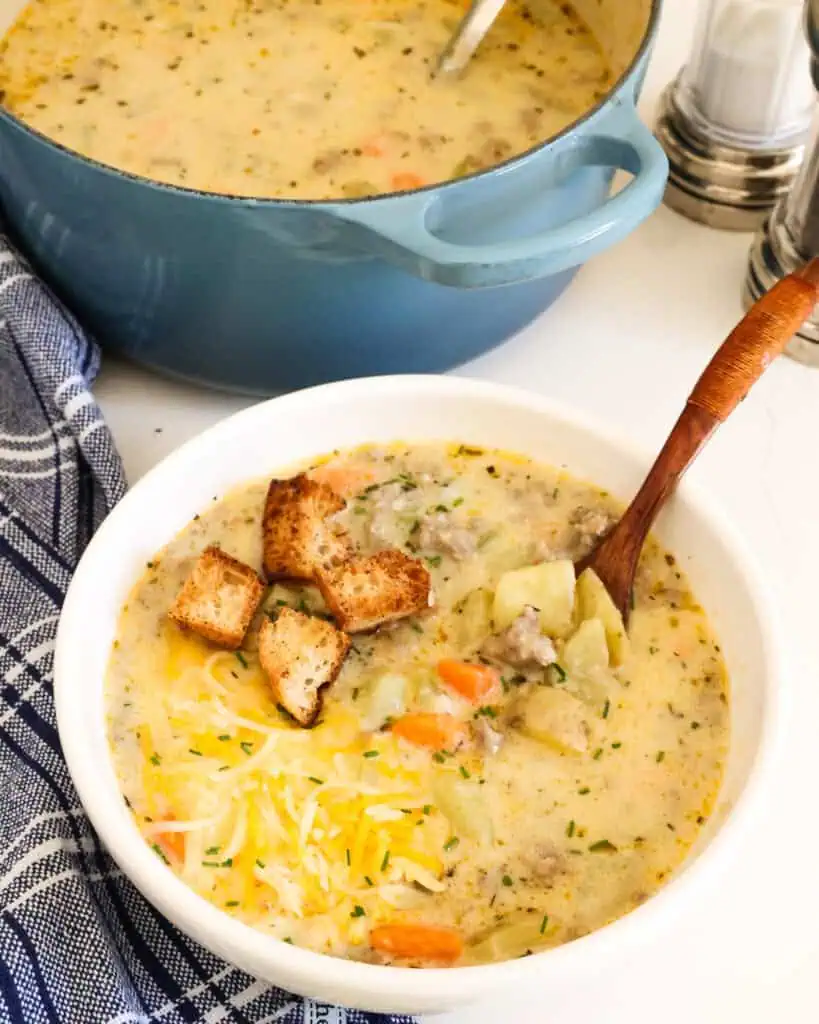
x=790, y=237
x=735, y=120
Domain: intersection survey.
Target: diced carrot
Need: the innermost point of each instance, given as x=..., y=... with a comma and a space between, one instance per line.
x=344, y=480
x=172, y=845
x=405, y=181
x=424, y=729
x=417, y=942
x=477, y=683
x=372, y=148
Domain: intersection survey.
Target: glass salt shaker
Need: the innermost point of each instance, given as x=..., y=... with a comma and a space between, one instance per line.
x=735, y=120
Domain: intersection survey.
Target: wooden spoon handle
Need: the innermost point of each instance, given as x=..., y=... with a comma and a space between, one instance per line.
x=739, y=362
x=756, y=340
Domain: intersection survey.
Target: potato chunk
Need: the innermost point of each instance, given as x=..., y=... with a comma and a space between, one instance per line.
x=547, y=587
x=594, y=602
x=586, y=653
x=551, y=715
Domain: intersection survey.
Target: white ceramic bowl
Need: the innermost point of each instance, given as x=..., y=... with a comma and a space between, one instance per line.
x=273, y=435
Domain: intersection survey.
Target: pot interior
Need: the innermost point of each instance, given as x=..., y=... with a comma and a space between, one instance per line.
x=618, y=25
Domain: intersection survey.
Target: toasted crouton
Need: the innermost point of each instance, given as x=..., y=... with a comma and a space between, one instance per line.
x=301, y=655
x=219, y=598
x=363, y=593
x=297, y=539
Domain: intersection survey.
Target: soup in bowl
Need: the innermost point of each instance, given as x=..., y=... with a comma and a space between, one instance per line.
x=349, y=696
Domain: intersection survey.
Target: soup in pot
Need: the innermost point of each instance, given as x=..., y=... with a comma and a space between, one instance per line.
x=303, y=99
x=370, y=709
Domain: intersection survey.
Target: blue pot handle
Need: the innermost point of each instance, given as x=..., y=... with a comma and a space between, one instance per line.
x=399, y=228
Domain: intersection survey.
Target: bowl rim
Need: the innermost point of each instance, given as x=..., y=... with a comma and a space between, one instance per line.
x=240, y=943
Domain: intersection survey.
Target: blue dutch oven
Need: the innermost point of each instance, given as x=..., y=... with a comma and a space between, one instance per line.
x=267, y=295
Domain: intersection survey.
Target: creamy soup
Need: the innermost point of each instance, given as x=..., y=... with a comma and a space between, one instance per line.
x=500, y=772
x=295, y=98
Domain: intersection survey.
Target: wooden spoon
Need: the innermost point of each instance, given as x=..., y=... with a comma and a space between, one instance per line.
x=740, y=361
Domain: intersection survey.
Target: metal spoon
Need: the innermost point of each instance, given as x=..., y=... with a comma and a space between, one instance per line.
x=467, y=37
x=739, y=362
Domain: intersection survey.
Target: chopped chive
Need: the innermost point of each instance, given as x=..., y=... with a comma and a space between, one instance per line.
x=316, y=779
x=155, y=759
x=241, y=659
x=211, y=850
x=438, y=757
x=368, y=880
x=417, y=627
x=227, y=863
x=606, y=708
x=211, y=864
x=232, y=903
x=385, y=861
x=427, y=808
x=695, y=725
x=603, y=846
x=198, y=753
x=451, y=843
x=288, y=940
x=457, y=502
x=159, y=852
x=464, y=772
x=570, y=829
x=584, y=791
x=358, y=911
x=507, y=881
x=247, y=747
x=487, y=711
x=660, y=756
x=544, y=923
x=370, y=753
x=597, y=754
x=434, y=561
x=347, y=855
x=558, y=670
x=223, y=737
x=616, y=746
x=260, y=863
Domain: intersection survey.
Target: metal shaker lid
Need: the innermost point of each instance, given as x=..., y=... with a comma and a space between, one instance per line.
x=717, y=184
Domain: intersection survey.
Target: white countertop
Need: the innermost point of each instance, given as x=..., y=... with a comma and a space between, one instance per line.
x=626, y=342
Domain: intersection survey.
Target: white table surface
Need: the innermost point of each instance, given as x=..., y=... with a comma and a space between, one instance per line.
x=626, y=342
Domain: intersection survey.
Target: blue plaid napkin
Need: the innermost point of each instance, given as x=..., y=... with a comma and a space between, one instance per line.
x=78, y=944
